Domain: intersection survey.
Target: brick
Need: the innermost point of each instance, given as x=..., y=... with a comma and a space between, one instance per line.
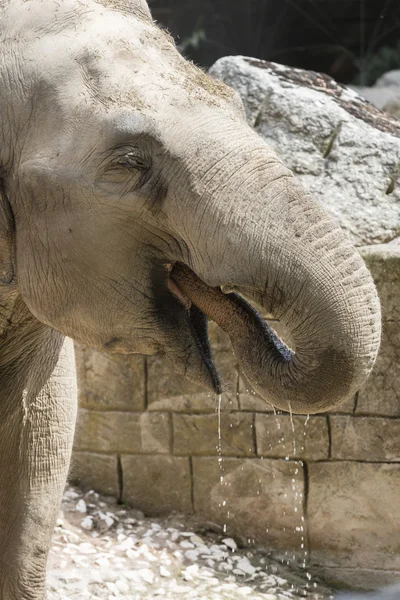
x=365, y=438
x=123, y=432
x=357, y=579
x=95, y=471
x=353, y=514
x=381, y=393
x=110, y=381
x=198, y=434
x=275, y=436
x=384, y=263
x=256, y=499
x=157, y=485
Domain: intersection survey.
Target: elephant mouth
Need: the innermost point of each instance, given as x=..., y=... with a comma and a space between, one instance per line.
x=199, y=329
x=227, y=309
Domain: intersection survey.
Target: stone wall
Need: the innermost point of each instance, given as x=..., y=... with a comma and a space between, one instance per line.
x=323, y=490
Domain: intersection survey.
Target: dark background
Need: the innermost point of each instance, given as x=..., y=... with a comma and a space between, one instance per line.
x=351, y=40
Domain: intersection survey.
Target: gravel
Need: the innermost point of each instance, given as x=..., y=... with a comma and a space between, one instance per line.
x=102, y=550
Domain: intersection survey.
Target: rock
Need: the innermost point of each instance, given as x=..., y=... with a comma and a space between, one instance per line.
x=196, y=540
x=393, y=107
x=87, y=523
x=230, y=543
x=81, y=506
x=104, y=521
x=378, y=96
x=390, y=78
x=244, y=565
x=344, y=150
x=186, y=545
x=385, y=94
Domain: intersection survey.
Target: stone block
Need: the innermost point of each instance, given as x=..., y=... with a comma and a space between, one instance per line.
x=280, y=436
x=384, y=263
x=198, y=434
x=157, y=485
x=170, y=392
x=123, y=432
x=353, y=515
x=107, y=381
x=95, y=471
x=357, y=579
x=381, y=393
x=365, y=438
x=255, y=499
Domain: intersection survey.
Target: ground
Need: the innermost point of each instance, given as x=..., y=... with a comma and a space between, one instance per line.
x=102, y=550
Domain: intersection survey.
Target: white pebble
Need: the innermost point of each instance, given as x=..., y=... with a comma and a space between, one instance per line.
x=230, y=543
x=87, y=523
x=187, y=545
x=86, y=548
x=146, y=575
x=81, y=506
x=102, y=562
x=164, y=572
x=244, y=565
x=196, y=540
x=122, y=586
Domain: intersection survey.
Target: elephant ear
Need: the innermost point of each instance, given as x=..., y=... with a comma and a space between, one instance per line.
x=6, y=239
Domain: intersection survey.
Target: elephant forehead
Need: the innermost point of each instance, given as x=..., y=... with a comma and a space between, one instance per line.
x=24, y=19
x=109, y=59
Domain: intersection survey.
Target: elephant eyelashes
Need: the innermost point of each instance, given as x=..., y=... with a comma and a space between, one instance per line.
x=132, y=161
x=128, y=167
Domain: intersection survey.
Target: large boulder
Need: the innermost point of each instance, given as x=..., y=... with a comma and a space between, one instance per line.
x=385, y=94
x=344, y=150
x=389, y=79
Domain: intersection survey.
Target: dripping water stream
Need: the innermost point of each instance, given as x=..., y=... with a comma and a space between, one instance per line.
x=220, y=460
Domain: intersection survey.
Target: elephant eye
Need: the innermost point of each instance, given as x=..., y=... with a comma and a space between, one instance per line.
x=127, y=166
x=131, y=160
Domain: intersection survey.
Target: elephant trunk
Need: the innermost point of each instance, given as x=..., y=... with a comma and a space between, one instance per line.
x=282, y=250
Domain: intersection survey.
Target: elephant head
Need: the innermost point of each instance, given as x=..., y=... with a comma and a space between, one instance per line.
x=140, y=202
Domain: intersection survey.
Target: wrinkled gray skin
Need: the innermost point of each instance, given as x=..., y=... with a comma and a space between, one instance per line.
x=119, y=163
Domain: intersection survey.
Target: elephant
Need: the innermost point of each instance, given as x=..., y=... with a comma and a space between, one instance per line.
x=135, y=204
